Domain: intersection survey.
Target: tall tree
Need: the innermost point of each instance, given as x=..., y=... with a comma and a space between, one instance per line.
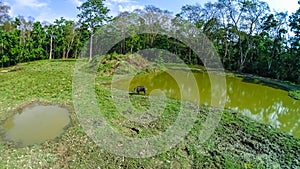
x=295, y=41
x=25, y=40
x=39, y=41
x=69, y=36
x=82, y=35
x=4, y=9
x=50, y=29
x=94, y=14
x=60, y=37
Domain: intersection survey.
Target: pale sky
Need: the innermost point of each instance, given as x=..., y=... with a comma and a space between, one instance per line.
x=49, y=10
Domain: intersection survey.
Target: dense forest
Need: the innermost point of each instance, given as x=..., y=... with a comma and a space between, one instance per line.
x=247, y=35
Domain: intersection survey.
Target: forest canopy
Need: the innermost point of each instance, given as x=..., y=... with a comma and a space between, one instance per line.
x=248, y=37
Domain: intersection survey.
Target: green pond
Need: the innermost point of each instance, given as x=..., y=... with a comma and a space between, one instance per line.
x=35, y=124
x=257, y=101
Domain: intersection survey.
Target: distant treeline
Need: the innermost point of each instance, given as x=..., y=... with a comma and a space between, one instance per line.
x=248, y=37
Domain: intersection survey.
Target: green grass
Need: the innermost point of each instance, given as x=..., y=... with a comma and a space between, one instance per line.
x=237, y=142
x=295, y=94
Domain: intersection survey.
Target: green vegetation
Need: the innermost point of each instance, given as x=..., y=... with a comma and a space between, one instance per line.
x=93, y=14
x=237, y=142
x=295, y=94
x=247, y=36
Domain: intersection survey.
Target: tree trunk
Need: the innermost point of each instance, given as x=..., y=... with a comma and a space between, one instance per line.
x=64, y=54
x=51, y=42
x=69, y=47
x=67, y=54
x=91, y=48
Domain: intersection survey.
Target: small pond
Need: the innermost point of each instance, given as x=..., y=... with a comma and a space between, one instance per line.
x=35, y=124
x=257, y=101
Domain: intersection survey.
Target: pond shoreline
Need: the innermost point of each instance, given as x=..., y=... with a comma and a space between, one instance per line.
x=18, y=112
x=275, y=83
x=238, y=142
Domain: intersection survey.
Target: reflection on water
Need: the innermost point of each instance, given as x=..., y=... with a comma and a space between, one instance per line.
x=35, y=124
x=257, y=101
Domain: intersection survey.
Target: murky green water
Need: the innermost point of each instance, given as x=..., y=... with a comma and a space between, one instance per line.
x=258, y=101
x=35, y=124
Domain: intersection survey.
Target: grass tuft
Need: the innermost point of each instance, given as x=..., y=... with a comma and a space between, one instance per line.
x=295, y=94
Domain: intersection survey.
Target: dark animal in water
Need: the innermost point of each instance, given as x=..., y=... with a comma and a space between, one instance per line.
x=139, y=89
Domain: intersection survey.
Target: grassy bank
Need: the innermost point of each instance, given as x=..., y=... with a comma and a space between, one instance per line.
x=295, y=94
x=237, y=142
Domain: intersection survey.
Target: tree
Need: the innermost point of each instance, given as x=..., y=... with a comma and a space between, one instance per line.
x=64, y=37
x=50, y=29
x=295, y=44
x=155, y=19
x=93, y=13
x=25, y=40
x=39, y=41
x=82, y=35
x=69, y=36
x=4, y=17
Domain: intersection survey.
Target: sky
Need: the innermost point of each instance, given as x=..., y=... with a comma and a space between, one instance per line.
x=49, y=10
